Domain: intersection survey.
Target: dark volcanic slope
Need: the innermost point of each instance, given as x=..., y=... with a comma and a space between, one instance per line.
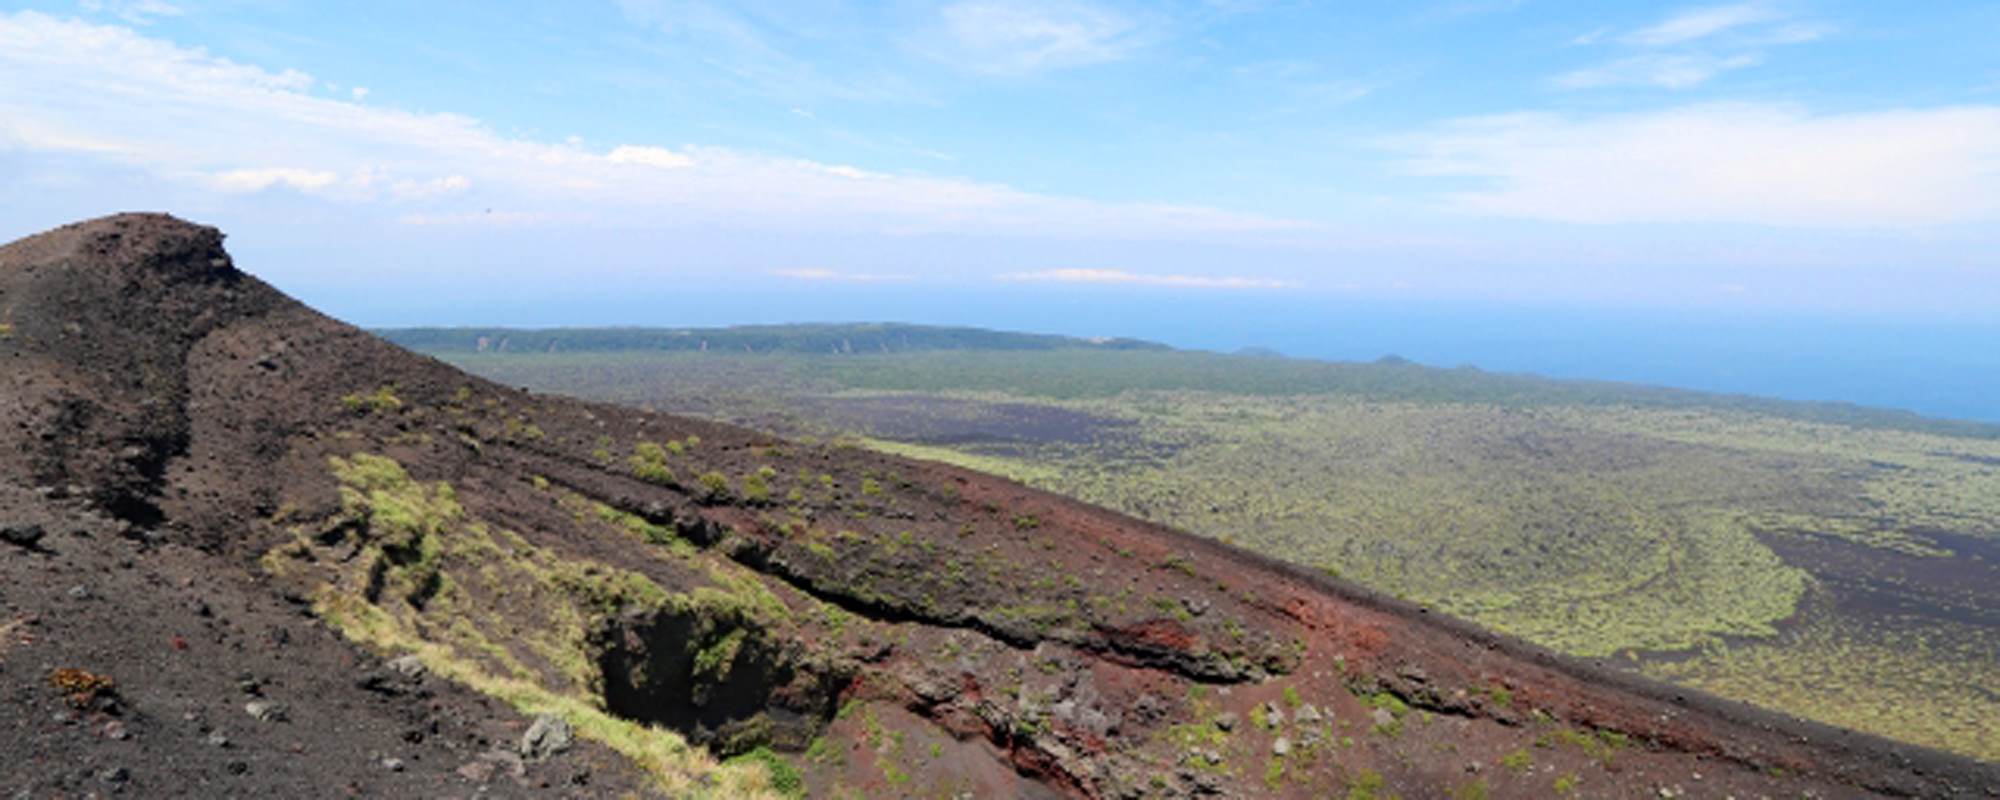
x=240, y=500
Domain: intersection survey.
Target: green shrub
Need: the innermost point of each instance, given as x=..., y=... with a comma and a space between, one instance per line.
x=756, y=487
x=649, y=464
x=715, y=485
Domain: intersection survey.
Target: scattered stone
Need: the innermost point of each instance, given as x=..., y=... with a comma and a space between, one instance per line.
x=115, y=731
x=1226, y=721
x=1273, y=715
x=238, y=767
x=549, y=736
x=1196, y=606
x=378, y=682
x=1281, y=746
x=479, y=771
x=114, y=776
x=1383, y=718
x=248, y=684
x=409, y=666
x=265, y=711
x=937, y=688
x=1307, y=715
x=217, y=739
x=79, y=592
x=22, y=535
x=392, y=764
x=494, y=760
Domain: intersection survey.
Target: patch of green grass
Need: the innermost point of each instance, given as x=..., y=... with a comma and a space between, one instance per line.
x=382, y=400
x=1365, y=785
x=415, y=533
x=784, y=778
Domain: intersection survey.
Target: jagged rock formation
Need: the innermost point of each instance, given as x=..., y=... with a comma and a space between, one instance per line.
x=727, y=613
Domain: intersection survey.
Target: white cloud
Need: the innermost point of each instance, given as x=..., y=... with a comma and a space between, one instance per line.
x=649, y=156
x=124, y=99
x=830, y=276
x=1017, y=38
x=1701, y=23
x=257, y=180
x=1733, y=163
x=1122, y=277
x=359, y=92
x=449, y=184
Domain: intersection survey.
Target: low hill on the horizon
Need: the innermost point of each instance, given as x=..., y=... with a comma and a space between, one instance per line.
x=976, y=359
x=803, y=338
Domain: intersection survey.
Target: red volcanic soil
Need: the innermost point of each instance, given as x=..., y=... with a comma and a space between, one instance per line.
x=167, y=424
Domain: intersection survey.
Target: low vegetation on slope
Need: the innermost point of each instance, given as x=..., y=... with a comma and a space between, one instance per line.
x=1786, y=554
x=738, y=614
x=403, y=570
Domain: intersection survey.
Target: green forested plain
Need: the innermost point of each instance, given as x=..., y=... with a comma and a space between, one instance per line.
x=1836, y=562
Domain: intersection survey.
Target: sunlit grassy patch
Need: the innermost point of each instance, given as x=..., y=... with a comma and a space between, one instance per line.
x=481, y=581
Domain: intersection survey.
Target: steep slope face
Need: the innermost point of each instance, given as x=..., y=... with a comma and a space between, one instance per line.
x=679, y=592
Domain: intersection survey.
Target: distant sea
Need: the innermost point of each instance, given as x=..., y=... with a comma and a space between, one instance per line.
x=1937, y=367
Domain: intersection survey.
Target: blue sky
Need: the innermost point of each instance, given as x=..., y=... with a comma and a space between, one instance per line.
x=496, y=162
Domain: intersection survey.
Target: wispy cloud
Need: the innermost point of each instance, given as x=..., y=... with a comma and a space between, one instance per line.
x=1733, y=163
x=1123, y=277
x=1666, y=71
x=1691, y=47
x=832, y=276
x=1701, y=23
x=1020, y=38
x=758, y=47
x=140, y=103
